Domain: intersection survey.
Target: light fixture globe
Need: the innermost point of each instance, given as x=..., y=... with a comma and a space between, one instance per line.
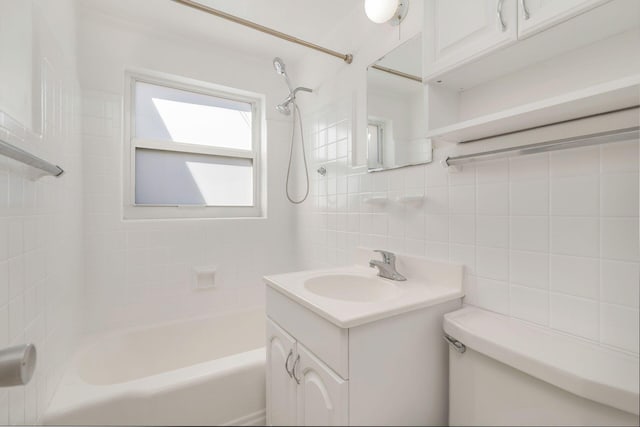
x=381, y=11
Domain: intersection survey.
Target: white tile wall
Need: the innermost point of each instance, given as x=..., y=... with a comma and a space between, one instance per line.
x=41, y=257
x=142, y=271
x=548, y=238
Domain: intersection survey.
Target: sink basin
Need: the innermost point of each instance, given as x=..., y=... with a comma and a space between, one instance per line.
x=349, y=287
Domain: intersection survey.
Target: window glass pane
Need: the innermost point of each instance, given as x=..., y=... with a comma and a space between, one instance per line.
x=174, y=178
x=167, y=114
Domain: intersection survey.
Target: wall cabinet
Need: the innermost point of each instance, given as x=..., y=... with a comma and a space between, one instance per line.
x=461, y=30
x=547, y=75
x=386, y=372
x=537, y=15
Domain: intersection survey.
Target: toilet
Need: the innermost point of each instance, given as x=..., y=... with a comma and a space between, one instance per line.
x=505, y=371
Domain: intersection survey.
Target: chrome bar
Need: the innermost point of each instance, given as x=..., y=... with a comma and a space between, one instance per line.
x=454, y=343
x=503, y=26
x=17, y=365
x=560, y=144
x=525, y=10
x=20, y=155
x=397, y=73
x=348, y=58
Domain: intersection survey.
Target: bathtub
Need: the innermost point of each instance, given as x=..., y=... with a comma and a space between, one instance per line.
x=207, y=371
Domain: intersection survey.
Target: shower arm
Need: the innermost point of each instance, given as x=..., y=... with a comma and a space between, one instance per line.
x=292, y=94
x=300, y=88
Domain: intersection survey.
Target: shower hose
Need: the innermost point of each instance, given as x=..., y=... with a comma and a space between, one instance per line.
x=296, y=111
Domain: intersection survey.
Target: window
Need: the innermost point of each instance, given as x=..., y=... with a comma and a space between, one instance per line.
x=193, y=149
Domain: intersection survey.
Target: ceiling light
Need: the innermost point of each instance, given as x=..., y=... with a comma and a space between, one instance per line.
x=381, y=11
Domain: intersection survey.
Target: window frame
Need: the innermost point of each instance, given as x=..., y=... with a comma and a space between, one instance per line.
x=131, y=210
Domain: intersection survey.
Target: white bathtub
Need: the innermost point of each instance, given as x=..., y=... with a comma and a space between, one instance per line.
x=208, y=371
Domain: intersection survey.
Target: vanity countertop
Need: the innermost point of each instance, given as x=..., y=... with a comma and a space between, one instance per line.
x=354, y=295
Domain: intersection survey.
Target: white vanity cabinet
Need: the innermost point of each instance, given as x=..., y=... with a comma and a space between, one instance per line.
x=322, y=396
x=281, y=388
x=390, y=371
x=301, y=390
x=459, y=30
x=537, y=15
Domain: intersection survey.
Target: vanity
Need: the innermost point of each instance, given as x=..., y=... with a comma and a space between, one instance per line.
x=347, y=347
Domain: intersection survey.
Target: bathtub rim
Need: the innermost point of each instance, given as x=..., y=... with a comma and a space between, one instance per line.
x=74, y=393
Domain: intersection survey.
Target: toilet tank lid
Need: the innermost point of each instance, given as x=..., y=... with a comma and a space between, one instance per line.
x=570, y=363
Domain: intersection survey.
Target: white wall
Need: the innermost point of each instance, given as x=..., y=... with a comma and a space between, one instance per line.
x=551, y=239
x=141, y=271
x=41, y=258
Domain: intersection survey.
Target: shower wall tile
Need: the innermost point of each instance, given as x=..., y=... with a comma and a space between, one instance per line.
x=577, y=316
x=141, y=272
x=530, y=304
x=575, y=196
x=575, y=236
x=575, y=276
x=619, y=327
x=619, y=237
x=492, y=231
x=41, y=254
x=620, y=282
x=529, y=197
x=550, y=238
x=619, y=194
x=529, y=233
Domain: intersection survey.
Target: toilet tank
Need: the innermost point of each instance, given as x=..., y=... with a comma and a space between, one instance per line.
x=509, y=372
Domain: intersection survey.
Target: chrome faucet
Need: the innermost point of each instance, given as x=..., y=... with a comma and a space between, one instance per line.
x=387, y=267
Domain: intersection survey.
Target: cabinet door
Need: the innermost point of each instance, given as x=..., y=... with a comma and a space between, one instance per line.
x=461, y=30
x=322, y=395
x=281, y=387
x=537, y=15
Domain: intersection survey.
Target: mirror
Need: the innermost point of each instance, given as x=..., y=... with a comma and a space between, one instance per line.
x=16, y=62
x=396, y=109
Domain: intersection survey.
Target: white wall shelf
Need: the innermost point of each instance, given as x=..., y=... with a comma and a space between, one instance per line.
x=596, y=99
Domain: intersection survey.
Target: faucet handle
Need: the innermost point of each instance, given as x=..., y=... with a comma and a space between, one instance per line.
x=387, y=257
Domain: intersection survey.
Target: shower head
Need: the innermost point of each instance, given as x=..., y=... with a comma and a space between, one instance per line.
x=283, y=109
x=278, y=64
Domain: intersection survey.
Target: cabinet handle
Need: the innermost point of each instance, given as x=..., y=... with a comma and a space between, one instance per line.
x=525, y=11
x=503, y=26
x=455, y=344
x=293, y=371
x=286, y=364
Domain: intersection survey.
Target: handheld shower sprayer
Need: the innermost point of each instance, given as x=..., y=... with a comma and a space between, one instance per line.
x=278, y=64
x=285, y=109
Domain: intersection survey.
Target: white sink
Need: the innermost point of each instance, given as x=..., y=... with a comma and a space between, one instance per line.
x=350, y=287
x=353, y=295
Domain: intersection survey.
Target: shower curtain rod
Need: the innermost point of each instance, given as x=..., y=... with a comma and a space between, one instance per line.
x=397, y=73
x=348, y=58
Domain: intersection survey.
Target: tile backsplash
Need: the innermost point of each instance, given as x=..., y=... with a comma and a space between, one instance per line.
x=549, y=238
